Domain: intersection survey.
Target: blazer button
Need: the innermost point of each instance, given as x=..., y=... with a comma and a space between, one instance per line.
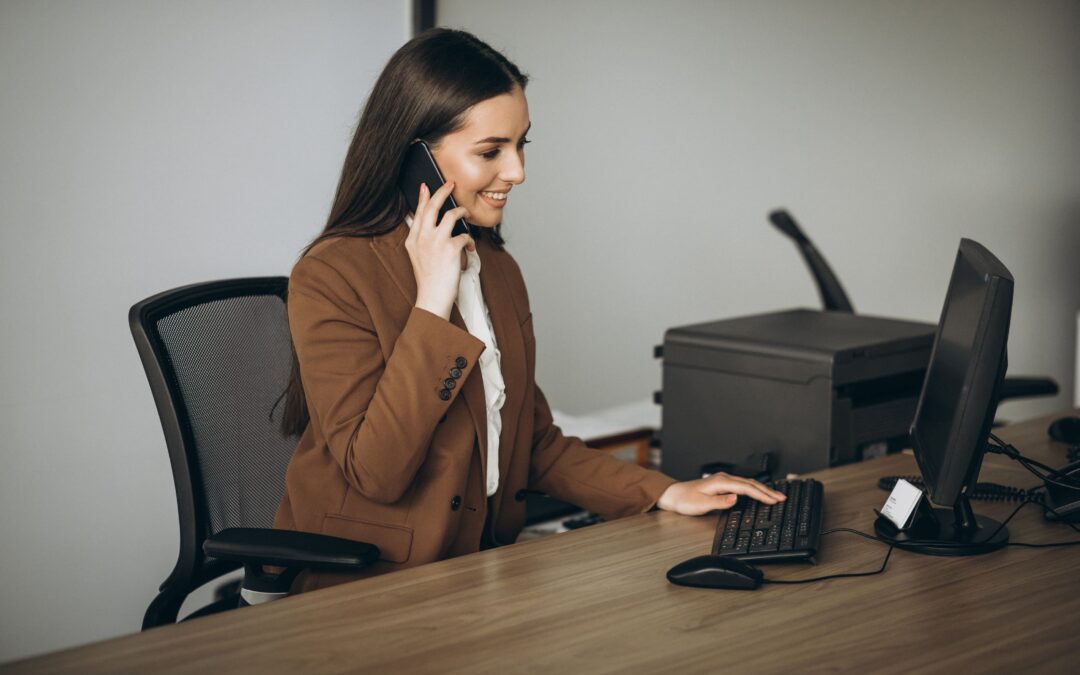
x=455, y=503
x=449, y=383
x=520, y=495
x=461, y=362
x=455, y=373
x=445, y=394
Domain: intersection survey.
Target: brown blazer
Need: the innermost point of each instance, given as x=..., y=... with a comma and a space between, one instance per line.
x=395, y=453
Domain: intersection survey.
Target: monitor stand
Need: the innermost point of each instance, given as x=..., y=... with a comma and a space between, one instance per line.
x=957, y=531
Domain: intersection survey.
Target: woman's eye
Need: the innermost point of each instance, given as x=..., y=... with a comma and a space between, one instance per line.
x=494, y=152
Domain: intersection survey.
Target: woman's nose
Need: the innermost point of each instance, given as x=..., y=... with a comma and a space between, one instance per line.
x=513, y=170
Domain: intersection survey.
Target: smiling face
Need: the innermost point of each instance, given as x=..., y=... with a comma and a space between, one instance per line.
x=486, y=157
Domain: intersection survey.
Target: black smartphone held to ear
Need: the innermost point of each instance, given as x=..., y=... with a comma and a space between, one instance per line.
x=420, y=168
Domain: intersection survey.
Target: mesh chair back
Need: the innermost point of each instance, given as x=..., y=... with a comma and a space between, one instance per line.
x=218, y=357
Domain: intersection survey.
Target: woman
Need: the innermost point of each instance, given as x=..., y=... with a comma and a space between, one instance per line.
x=421, y=424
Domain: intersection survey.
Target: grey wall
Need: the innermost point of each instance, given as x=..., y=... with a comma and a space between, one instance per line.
x=143, y=145
x=665, y=131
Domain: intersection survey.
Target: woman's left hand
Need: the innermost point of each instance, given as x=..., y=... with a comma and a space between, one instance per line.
x=718, y=491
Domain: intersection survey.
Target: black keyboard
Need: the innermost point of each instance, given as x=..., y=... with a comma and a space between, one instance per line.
x=784, y=532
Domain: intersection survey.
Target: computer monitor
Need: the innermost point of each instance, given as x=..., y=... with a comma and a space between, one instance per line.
x=957, y=405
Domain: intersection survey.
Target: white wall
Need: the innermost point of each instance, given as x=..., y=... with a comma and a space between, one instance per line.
x=665, y=131
x=143, y=145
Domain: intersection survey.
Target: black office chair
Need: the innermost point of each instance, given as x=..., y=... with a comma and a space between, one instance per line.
x=218, y=357
x=834, y=298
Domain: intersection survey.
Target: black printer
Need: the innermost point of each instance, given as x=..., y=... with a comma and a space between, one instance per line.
x=811, y=388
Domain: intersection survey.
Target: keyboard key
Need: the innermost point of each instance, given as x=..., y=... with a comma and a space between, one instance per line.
x=742, y=543
x=749, y=516
x=733, y=522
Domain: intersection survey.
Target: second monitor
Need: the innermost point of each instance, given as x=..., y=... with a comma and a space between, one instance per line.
x=957, y=405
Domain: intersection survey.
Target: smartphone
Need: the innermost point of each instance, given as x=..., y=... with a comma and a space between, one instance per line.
x=420, y=167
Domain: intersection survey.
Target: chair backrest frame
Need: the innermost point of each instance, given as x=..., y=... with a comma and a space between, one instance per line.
x=192, y=567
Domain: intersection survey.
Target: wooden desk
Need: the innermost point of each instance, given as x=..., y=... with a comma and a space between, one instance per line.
x=596, y=601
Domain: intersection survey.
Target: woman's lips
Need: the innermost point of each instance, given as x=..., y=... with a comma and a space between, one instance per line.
x=492, y=201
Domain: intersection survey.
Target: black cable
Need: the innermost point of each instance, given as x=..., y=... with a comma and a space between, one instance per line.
x=1010, y=451
x=844, y=575
x=861, y=534
x=834, y=576
x=1024, y=462
x=1049, y=470
x=1003, y=523
x=1053, y=544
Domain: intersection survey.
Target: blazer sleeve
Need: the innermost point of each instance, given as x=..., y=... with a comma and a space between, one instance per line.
x=377, y=415
x=564, y=467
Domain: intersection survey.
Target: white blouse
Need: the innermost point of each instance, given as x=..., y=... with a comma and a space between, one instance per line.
x=470, y=302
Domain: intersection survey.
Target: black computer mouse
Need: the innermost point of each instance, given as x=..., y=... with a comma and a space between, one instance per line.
x=715, y=571
x=1066, y=430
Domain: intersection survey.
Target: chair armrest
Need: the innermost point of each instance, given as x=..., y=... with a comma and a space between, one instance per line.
x=287, y=548
x=1023, y=387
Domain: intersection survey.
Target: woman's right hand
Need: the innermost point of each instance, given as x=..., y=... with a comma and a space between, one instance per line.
x=436, y=256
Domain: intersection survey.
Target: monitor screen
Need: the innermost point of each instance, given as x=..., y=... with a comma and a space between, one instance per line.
x=967, y=363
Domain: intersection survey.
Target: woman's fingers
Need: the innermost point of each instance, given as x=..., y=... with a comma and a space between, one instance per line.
x=464, y=241
x=743, y=486
x=721, y=502
x=451, y=217
x=717, y=492
x=422, y=200
x=427, y=213
x=437, y=256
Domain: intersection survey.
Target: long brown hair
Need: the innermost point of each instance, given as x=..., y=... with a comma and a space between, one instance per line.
x=425, y=91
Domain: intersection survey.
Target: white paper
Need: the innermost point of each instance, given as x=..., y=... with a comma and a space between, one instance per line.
x=641, y=414
x=901, y=503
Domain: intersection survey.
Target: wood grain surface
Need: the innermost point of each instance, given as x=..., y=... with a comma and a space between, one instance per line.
x=595, y=600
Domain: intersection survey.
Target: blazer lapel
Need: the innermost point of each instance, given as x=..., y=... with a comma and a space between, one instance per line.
x=390, y=249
